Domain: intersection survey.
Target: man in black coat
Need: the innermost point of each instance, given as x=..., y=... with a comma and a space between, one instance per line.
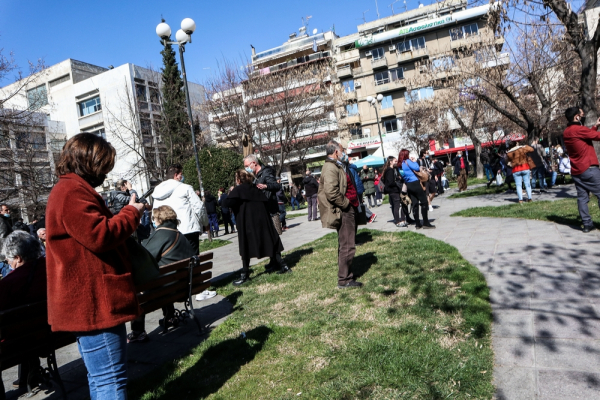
x=311, y=188
x=226, y=213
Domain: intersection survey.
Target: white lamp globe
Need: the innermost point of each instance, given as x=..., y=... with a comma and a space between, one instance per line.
x=373, y=101
x=163, y=30
x=369, y=99
x=182, y=37
x=188, y=26
x=379, y=97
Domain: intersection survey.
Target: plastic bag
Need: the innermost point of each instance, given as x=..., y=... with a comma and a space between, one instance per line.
x=499, y=180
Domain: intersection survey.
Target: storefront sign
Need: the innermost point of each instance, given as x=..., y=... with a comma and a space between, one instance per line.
x=366, y=142
x=423, y=26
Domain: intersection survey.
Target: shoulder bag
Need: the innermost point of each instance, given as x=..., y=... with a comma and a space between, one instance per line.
x=144, y=267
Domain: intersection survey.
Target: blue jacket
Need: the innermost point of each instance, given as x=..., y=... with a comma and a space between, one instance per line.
x=408, y=167
x=357, y=181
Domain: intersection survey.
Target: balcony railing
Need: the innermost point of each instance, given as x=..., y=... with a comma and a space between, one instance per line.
x=410, y=55
x=350, y=95
x=387, y=112
x=353, y=119
x=473, y=39
x=393, y=85
x=344, y=71
x=379, y=63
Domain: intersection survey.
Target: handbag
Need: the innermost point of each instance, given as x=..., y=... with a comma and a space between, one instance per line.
x=144, y=267
x=423, y=176
x=277, y=223
x=530, y=162
x=405, y=199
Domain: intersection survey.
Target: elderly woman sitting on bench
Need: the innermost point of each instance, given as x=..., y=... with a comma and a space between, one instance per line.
x=25, y=284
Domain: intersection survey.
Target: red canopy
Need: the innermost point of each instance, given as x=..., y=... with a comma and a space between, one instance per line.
x=513, y=137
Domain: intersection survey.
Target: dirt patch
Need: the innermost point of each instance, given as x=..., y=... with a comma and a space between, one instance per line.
x=270, y=287
x=317, y=364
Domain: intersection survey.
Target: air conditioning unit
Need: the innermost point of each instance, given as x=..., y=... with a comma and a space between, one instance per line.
x=357, y=84
x=343, y=115
x=368, y=54
x=392, y=48
x=422, y=69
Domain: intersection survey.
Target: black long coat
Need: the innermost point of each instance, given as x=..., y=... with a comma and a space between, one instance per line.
x=257, y=236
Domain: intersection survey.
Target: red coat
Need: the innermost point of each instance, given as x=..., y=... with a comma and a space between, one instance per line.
x=580, y=147
x=90, y=285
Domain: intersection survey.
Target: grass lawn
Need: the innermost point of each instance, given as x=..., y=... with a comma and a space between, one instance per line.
x=559, y=211
x=292, y=216
x=470, y=181
x=206, y=245
x=478, y=191
x=418, y=329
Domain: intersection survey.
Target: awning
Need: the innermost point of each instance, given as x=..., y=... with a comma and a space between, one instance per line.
x=371, y=161
x=513, y=137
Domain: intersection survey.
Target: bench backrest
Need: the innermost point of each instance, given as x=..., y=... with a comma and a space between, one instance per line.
x=173, y=283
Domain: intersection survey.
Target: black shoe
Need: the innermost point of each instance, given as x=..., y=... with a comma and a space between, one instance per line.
x=350, y=285
x=429, y=226
x=588, y=228
x=419, y=226
x=15, y=384
x=488, y=184
x=410, y=221
x=171, y=322
x=284, y=269
x=243, y=279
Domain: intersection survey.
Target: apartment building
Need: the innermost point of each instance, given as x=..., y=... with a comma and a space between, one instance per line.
x=386, y=57
x=121, y=104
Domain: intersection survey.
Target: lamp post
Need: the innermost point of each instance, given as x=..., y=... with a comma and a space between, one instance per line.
x=183, y=36
x=373, y=101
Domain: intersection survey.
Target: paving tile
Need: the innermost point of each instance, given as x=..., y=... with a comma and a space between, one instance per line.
x=572, y=385
x=513, y=324
x=564, y=326
x=517, y=352
x=581, y=355
x=557, y=285
x=514, y=383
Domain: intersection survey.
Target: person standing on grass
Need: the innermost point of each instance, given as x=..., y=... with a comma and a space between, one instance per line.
x=257, y=236
x=584, y=161
x=186, y=203
x=311, y=187
x=426, y=165
x=367, y=176
x=293, y=196
x=416, y=192
x=461, y=170
x=517, y=156
x=338, y=202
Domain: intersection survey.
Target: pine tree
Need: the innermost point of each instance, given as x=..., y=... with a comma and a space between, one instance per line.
x=175, y=130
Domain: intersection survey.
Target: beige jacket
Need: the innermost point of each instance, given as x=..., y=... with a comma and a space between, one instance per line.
x=332, y=194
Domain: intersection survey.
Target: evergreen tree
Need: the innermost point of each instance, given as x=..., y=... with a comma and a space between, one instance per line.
x=175, y=129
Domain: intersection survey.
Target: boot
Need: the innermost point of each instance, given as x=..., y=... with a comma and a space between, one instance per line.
x=284, y=269
x=243, y=279
x=416, y=216
x=426, y=223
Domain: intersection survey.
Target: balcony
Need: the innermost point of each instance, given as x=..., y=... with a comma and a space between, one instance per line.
x=411, y=55
x=387, y=112
x=353, y=119
x=379, y=63
x=350, y=95
x=393, y=85
x=357, y=71
x=343, y=72
x=466, y=42
x=348, y=56
x=392, y=60
x=90, y=119
x=499, y=60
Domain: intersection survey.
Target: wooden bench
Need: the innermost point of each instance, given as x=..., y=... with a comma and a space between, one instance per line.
x=25, y=333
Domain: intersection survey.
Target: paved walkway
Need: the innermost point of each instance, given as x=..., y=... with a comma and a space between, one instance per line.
x=545, y=293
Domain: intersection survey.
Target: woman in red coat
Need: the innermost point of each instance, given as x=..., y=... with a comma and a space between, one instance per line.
x=90, y=287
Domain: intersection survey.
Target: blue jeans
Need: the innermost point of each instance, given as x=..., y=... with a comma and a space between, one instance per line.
x=213, y=221
x=233, y=219
x=294, y=203
x=520, y=177
x=553, y=180
x=489, y=174
x=104, y=353
x=539, y=173
x=282, y=214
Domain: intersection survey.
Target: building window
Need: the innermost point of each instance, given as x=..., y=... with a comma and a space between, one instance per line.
x=89, y=106
x=418, y=94
x=99, y=132
x=4, y=140
x=412, y=44
x=30, y=141
x=140, y=92
x=60, y=80
x=391, y=125
x=387, y=102
x=464, y=31
x=443, y=63
x=356, y=133
x=471, y=82
x=352, y=109
x=382, y=77
x=154, y=95
x=37, y=97
x=348, y=86
x=397, y=74
x=377, y=53
x=146, y=126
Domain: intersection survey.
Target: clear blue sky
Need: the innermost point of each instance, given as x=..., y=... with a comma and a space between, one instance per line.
x=109, y=32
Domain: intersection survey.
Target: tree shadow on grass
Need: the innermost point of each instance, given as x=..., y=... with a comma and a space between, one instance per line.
x=292, y=259
x=363, y=237
x=217, y=365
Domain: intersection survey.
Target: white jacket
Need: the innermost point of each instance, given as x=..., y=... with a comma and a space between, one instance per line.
x=565, y=165
x=186, y=203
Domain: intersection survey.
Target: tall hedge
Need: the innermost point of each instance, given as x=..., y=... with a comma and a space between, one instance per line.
x=218, y=166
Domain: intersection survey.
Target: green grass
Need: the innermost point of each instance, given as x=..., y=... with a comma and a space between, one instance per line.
x=470, y=181
x=418, y=329
x=478, y=191
x=292, y=216
x=206, y=245
x=560, y=211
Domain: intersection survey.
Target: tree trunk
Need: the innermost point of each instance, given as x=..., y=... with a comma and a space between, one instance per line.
x=589, y=66
x=478, y=164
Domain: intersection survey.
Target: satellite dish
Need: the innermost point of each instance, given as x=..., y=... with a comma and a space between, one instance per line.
x=315, y=31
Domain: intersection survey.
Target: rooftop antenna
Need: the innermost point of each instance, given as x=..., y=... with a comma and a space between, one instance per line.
x=405, y=6
x=305, y=21
x=363, y=17
x=377, y=9
x=392, y=5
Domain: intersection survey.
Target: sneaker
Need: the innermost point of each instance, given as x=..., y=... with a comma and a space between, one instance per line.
x=284, y=269
x=588, y=228
x=207, y=294
x=402, y=224
x=372, y=219
x=350, y=285
x=429, y=226
x=430, y=208
x=137, y=337
x=529, y=200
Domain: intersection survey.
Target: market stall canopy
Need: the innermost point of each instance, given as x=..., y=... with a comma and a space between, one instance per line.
x=371, y=161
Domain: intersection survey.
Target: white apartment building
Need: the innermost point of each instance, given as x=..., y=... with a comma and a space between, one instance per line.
x=122, y=104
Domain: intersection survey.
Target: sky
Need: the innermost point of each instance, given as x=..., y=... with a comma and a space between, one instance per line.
x=110, y=32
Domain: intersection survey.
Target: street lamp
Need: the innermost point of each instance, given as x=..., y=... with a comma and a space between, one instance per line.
x=373, y=101
x=183, y=36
